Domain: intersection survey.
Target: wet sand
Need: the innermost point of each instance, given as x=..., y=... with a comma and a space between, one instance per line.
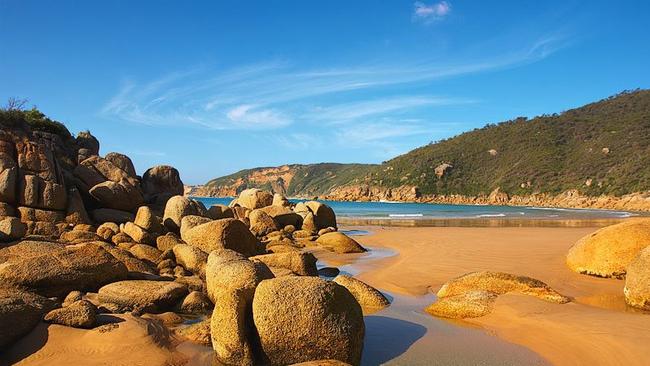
x=412, y=263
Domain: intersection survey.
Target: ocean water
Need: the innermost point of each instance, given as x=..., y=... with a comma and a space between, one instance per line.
x=427, y=211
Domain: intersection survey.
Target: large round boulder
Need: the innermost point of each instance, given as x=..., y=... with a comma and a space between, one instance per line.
x=222, y=234
x=339, y=243
x=608, y=251
x=178, y=207
x=160, y=183
x=637, y=281
x=302, y=319
x=144, y=295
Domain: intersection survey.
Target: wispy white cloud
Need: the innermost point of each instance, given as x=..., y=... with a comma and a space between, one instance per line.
x=430, y=13
x=250, y=115
x=357, y=110
x=277, y=94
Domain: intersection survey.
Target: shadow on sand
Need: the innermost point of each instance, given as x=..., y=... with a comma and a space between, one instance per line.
x=387, y=338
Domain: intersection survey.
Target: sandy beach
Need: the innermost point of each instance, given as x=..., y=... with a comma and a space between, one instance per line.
x=597, y=328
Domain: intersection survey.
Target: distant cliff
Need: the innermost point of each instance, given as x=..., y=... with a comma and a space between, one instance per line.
x=590, y=156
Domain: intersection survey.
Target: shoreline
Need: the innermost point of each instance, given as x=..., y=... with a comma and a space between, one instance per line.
x=635, y=203
x=426, y=257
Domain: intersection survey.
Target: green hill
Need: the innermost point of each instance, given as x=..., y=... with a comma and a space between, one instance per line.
x=600, y=148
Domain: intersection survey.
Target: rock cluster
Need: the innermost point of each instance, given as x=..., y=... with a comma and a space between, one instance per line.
x=88, y=236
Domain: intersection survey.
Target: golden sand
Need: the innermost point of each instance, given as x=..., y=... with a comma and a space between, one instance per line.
x=596, y=329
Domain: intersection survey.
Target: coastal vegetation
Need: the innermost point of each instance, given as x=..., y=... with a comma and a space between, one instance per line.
x=600, y=148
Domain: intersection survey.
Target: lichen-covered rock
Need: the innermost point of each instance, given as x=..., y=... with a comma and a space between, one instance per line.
x=302, y=319
x=367, y=296
x=178, y=207
x=147, y=296
x=637, y=281
x=20, y=312
x=80, y=314
x=303, y=264
x=608, y=251
x=160, y=183
x=339, y=243
x=222, y=234
x=56, y=272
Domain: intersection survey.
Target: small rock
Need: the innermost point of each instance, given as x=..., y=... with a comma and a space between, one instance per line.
x=79, y=314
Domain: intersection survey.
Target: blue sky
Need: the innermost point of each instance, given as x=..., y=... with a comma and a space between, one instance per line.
x=215, y=87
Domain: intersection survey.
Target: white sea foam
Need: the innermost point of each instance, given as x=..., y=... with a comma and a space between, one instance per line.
x=405, y=215
x=492, y=215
